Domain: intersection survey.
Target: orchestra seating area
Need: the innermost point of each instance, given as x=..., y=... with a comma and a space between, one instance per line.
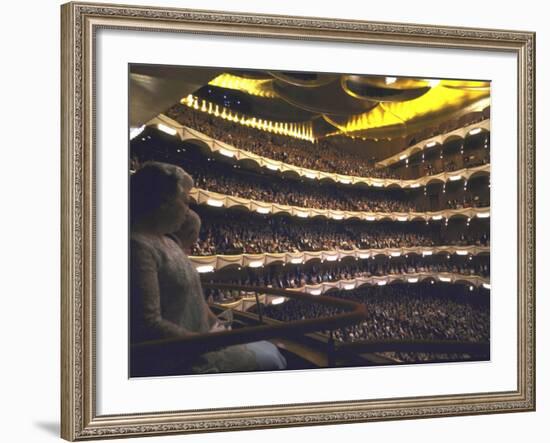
x=398, y=312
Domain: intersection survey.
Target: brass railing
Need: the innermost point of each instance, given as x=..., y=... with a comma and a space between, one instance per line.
x=198, y=344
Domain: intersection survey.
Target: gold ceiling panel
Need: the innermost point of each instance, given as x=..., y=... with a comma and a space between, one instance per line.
x=358, y=88
x=466, y=85
x=414, y=83
x=388, y=82
x=259, y=88
x=439, y=101
x=375, y=118
x=397, y=114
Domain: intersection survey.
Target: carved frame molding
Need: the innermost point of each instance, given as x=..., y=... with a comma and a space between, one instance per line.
x=80, y=21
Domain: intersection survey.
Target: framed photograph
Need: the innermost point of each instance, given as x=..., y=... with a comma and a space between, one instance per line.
x=277, y=221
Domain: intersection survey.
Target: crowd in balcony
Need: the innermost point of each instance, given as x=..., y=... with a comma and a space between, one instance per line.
x=404, y=312
x=322, y=155
x=306, y=195
x=217, y=176
x=237, y=234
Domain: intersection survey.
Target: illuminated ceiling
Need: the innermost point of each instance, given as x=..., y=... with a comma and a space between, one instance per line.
x=371, y=107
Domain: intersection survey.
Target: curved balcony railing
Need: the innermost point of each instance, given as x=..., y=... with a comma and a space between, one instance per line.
x=215, y=146
x=215, y=199
x=249, y=299
x=413, y=277
x=209, y=263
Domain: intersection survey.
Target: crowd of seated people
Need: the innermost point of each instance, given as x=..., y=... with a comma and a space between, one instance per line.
x=403, y=312
x=223, y=178
x=295, y=277
x=322, y=156
x=241, y=234
x=307, y=195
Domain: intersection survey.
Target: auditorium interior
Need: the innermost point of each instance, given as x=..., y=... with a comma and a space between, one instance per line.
x=345, y=218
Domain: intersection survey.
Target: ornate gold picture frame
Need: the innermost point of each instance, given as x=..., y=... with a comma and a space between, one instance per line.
x=79, y=396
